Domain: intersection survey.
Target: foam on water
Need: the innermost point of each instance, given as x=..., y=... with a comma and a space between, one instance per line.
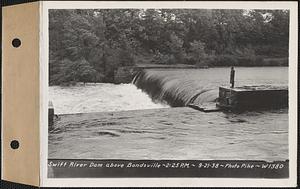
x=101, y=97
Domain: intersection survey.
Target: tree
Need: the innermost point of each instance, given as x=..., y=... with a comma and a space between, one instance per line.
x=197, y=53
x=99, y=41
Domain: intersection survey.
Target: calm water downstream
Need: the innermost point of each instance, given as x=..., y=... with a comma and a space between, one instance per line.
x=151, y=130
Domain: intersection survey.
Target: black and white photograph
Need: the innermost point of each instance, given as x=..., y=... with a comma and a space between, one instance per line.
x=168, y=92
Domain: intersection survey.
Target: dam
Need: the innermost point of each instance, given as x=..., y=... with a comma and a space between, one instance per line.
x=148, y=119
x=195, y=93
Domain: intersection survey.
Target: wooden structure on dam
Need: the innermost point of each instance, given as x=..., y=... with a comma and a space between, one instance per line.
x=253, y=97
x=247, y=97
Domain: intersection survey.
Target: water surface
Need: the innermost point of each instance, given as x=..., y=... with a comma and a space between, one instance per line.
x=185, y=83
x=152, y=130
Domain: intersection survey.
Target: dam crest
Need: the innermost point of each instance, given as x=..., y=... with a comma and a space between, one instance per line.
x=166, y=87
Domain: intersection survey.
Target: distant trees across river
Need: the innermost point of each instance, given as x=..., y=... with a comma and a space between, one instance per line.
x=88, y=45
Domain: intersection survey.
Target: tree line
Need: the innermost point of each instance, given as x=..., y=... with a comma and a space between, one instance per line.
x=88, y=45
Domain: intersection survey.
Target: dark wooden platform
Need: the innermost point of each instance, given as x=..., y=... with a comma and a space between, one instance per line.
x=205, y=107
x=253, y=97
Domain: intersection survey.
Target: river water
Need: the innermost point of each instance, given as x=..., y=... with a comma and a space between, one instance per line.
x=100, y=97
x=127, y=124
x=103, y=97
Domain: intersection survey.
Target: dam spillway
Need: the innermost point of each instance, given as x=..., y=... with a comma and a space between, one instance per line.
x=176, y=91
x=216, y=135
x=201, y=88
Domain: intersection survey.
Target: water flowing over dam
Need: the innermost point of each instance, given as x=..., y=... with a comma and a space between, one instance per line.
x=175, y=91
x=128, y=118
x=100, y=97
x=159, y=88
x=180, y=87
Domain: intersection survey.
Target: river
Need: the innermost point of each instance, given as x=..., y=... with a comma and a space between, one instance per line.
x=103, y=97
x=127, y=124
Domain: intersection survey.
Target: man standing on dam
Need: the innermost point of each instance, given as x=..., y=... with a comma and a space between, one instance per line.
x=232, y=72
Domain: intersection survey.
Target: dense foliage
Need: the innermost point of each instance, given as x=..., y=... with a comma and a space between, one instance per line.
x=89, y=45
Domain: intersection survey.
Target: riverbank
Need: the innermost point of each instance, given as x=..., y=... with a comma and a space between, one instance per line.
x=171, y=133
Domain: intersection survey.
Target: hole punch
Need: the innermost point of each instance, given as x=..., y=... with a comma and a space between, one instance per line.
x=14, y=144
x=16, y=42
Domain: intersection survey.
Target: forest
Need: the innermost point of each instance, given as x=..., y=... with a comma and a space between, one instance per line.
x=89, y=45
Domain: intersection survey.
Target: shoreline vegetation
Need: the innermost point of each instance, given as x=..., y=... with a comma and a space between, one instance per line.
x=109, y=45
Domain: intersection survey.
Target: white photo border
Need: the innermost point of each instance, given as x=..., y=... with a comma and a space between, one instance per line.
x=168, y=182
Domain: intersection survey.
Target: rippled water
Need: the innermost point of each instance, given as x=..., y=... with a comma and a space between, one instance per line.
x=166, y=133
x=172, y=133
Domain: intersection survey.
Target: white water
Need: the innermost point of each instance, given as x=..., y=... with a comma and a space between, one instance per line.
x=181, y=83
x=167, y=133
x=100, y=97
